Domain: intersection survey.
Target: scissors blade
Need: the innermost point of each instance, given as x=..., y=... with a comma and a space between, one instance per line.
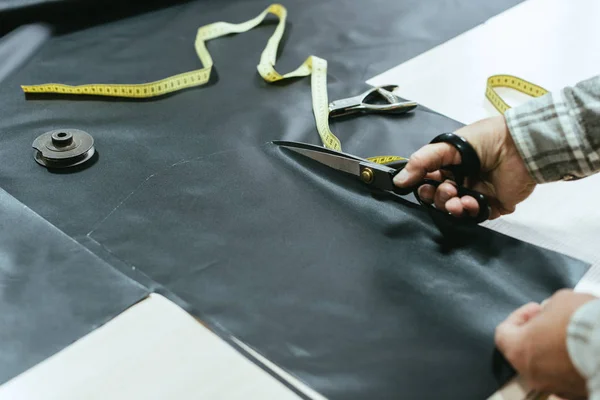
x=331, y=158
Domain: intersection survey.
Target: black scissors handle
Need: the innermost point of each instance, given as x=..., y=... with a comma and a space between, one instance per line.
x=470, y=166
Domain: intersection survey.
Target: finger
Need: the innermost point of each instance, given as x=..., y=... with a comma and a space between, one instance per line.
x=436, y=176
x=454, y=207
x=497, y=209
x=470, y=205
x=523, y=314
x=444, y=192
x=427, y=159
x=426, y=193
x=509, y=333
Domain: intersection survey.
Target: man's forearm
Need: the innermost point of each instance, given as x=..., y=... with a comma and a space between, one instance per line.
x=558, y=135
x=583, y=344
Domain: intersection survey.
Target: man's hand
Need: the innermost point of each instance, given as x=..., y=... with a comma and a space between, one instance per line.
x=504, y=179
x=534, y=340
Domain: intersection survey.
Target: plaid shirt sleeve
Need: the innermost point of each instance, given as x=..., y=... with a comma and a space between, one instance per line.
x=583, y=345
x=558, y=135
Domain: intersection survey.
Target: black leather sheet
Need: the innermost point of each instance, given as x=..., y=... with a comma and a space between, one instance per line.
x=243, y=246
x=53, y=290
x=359, y=297
x=137, y=138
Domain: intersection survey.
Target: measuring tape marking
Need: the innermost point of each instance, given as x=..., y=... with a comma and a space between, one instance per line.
x=512, y=82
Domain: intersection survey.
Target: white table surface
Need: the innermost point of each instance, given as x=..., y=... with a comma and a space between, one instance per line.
x=550, y=42
x=155, y=350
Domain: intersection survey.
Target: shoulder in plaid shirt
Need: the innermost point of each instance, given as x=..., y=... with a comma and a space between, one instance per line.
x=558, y=136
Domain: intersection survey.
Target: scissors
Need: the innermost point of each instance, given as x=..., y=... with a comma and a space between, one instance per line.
x=365, y=102
x=380, y=176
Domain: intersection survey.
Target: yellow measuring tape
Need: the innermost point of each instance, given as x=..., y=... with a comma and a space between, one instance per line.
x=513, y=82
x=314, y=66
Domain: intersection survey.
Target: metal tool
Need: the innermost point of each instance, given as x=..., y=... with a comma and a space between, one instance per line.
x=63, y=148
x=366, y=102
x=381, y=176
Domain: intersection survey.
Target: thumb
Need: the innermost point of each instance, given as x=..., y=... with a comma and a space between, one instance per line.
x=427, y=159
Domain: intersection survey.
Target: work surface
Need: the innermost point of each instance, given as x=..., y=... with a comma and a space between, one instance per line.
x=165, y=154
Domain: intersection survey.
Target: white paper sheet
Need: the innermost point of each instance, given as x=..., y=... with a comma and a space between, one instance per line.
x=553, y=43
